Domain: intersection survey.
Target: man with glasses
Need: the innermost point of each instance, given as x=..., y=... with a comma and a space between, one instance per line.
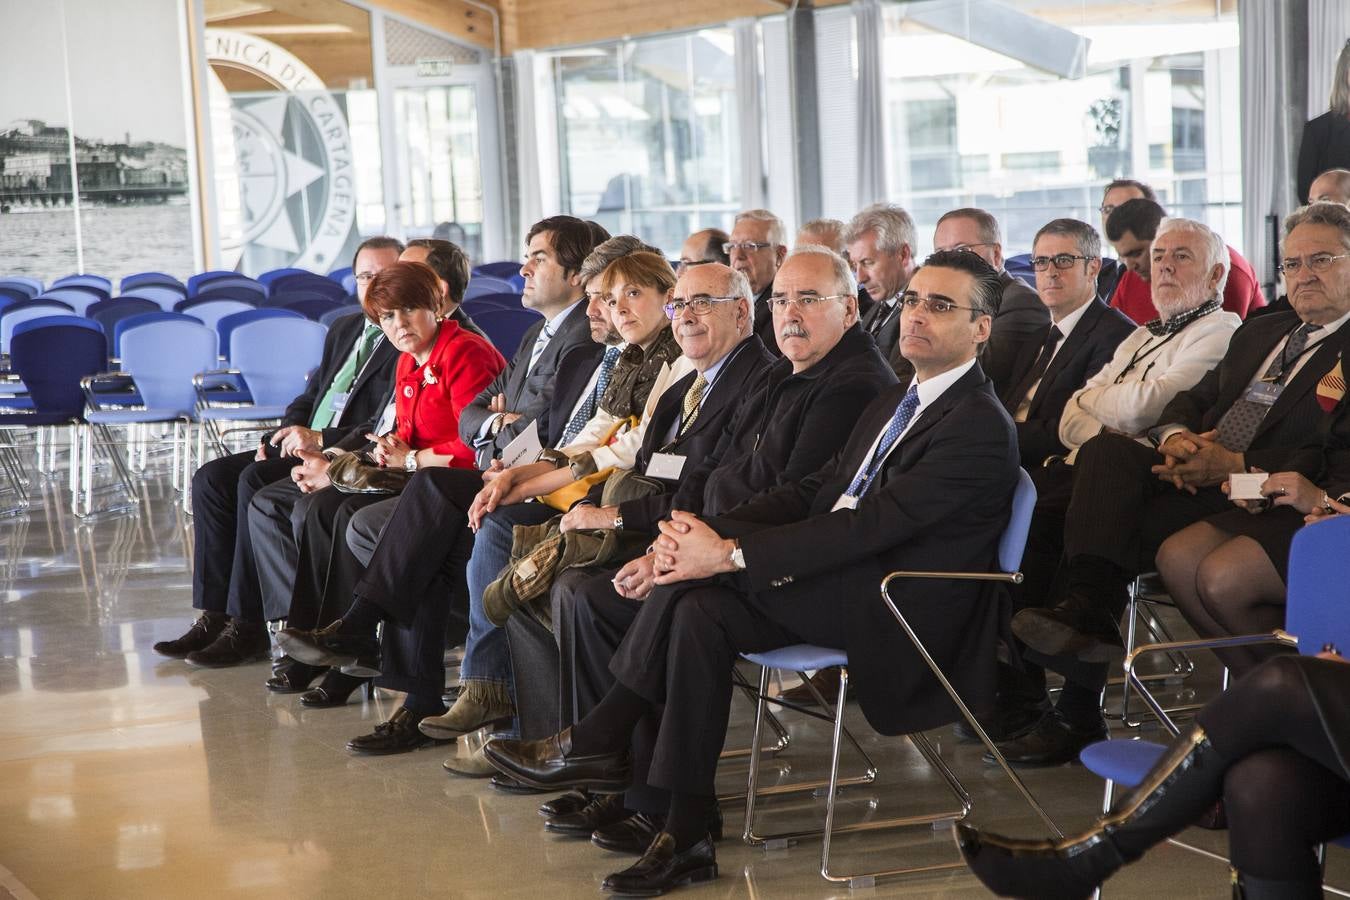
x=1113, y=195
x=881, y=244
x=924, y=481
x=703, y=247
x=1257, y=407
x=756, y=249
x=1020, y=314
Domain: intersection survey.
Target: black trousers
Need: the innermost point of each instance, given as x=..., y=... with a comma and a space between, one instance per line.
x=417, y=573
x=275, y=552
x=326, y=570
x=679, y=654
x=224, y=574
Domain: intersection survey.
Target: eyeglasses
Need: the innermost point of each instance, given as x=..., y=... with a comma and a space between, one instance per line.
x=364, y=276
x=1318, y=262
x=935, y=305
x=690, y=263
x=699, y=304
x=804, y=302
x=1106, y=209
x=744, y=246
x=1061, y=261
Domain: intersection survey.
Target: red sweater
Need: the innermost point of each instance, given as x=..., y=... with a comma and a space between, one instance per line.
x=428, y=397
x=1241, y=294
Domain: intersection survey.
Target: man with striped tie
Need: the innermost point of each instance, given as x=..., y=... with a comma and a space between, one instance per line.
x=925, y=481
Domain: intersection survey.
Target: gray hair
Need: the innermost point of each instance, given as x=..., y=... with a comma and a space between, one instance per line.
x=827, y=233
x=893, y=227
x=1216, y=251
x=1340, y=83
x=844, y=282
x=607, y=252
x=1324, y=213
x=1085, y=237
x=984, y=222
x=777, y=236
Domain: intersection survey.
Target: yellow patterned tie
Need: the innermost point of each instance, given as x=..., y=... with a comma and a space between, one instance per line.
x=691, y=402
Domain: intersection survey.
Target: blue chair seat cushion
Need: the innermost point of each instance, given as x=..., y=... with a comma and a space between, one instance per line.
x=33, y=418
x=132, y=416
x=1124, y=762
x=799, y=657
x=243, y=413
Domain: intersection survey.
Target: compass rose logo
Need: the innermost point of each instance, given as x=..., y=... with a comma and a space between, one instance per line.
x=284, y=177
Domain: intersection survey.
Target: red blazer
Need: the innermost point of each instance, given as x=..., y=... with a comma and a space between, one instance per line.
x=428, y=398
x=1241, y=293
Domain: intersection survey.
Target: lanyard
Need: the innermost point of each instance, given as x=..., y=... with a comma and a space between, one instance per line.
x=1144, y=353
x=1285, y=362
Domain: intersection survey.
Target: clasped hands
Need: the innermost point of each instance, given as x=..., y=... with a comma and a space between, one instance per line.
x=497, y=406
x=291, y=440
x=1193, y=461
x=688, y=549
x=389, y=451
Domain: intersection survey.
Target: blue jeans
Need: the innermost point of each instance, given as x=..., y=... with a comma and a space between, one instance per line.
x=486, y=656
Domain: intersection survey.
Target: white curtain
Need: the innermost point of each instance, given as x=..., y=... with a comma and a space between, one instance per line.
x=749, y=113
x=837, y=99
x=1328, y=30
x=531, y=205
x=867, y=17
x=1267, y=151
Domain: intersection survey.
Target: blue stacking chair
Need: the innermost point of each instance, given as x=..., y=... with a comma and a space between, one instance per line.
x=801, y=657
x=505, y=327
x=1315, y=615
x=209, y=311
x=480, y=285
x=162, y=357
x=166, y=298
x=31, y=286
x=49, y=357
x=314, y=308
x=108, y=313
x=15, y=313
x=226, y=326
x=254, y=295
x=281, y=298
x=1020, y=267
x=345, y=277
x=195, y=282
x=76, y=297
x=328, y=318
x=103, y=285
x=218, y=281
x=130, y=322
x=503, y=270
x=268, y=277
x=148, y=279
x=10, y=295
x=494, y=301
x=314, y=284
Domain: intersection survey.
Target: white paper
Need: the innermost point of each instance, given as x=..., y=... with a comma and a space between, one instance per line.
x=1246, y=485
x=845, y=501
x=524, y=447
x=666, y=465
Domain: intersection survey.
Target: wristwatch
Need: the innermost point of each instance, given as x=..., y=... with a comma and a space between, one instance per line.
x=497, y=422
x=737, y=555
x=410, y=461
x=618, y=523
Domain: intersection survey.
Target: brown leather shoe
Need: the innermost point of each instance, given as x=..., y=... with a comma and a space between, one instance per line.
x=825, y=680
x=550, y=763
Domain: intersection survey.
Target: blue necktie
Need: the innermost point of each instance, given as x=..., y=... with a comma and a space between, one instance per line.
x=587, y=409
x=545, y=335
x=903, y=413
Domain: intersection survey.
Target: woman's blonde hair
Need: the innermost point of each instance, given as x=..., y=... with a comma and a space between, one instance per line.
x=1340, y=83
x=642, y=268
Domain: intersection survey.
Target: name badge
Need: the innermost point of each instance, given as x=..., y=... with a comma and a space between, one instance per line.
x=666, y=465
x=845, y=501
x=524, y=447
x=1264, y=393
x=340, y=402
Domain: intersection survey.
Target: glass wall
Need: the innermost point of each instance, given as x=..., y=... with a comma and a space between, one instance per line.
x=1028, y=110
x=647, y=134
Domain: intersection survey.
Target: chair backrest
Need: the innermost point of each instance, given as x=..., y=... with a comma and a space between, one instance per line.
x=268, y=277
x=166, y=298
x=253, y=294
x=163, y=356
x=1020, y=267
x=52, y=354
x=328, y=318
x=275, y=355
x=125, y=324
x=503, y=270
x=314, y=307
x=31, y=286
x=314, y=284
x=281, y=298
x=497, y=301
x=196, y=281
x=345, y=277
x=10, y=295
x=76, y=297
x=158, y=279
x=22, y=312
x=1014, y=540
x=104, y=285
x=109, y=312
x=209, y=312
x=506, y=327
x=232, y=279
x=485, y=284
x=226, y=326
x=1319, y=594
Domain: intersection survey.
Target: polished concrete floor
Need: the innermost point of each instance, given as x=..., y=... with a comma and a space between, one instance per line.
x=125, y=775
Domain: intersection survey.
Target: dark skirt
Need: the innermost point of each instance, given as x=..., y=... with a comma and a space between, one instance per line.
x=1273, y=529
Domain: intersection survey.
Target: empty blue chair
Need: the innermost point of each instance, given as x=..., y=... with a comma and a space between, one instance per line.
x=328, y=318
x=196, y=281
x=209, y=312
x=281, y=298
x=505, y=327
x=32, y=286
x=268, y=277
x=166, y=298
x=496, y=301
x=314, y=284
x=108, y=313
x=1020, y=266
x=122, y=326
x=15, y=313
x=254, y=295
x=340, y=275
x=480, y=285
x=78, y=298
x=272, y=358
x=314, y=308
x=158, y=279
x=503, y=270
x=226, y=326
x=233, y=279
x=104, y=285
x=13, y=295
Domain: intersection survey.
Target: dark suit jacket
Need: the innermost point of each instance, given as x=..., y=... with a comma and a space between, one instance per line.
x=369, y=391
x=940, y=503
x=1088, y=347
x=883, y=323
x=1325, y=145
x=1285, y=440
x=763, y=326
x=574, y=373
x=1021, y=314
x=785, y=427
x=529, y=393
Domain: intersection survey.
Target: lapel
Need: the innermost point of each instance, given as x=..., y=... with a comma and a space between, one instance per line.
x=520, y=366
x=1072, y=344
x=1322, y=359
x=727, y=390
x=379, y=357
x=664, y=416
x=940, y=407
x=1245, y=371
x=1026, y=358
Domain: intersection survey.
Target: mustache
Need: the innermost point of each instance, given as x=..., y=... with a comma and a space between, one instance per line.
x=792, y=330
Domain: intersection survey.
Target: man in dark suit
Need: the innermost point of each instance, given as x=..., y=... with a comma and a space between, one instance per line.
x=756, y=249
x=345, y=394
x=881, y=241
x=557, y=246
x=1258, y=407
x=1020, y=315
x=925, y=481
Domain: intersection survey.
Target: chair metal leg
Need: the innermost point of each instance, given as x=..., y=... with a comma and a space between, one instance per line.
x=782, y=738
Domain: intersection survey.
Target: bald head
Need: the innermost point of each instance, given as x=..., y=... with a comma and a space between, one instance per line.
x=1332, y=186
x=712, y=313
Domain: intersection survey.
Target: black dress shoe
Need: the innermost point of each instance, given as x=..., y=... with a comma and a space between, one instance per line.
x=203, y=632
x=353, y=654
x=550, y=763
x=333, y=691
x=635, y=833
x=1053, y=742
x=508, y=785
x=662, y=868
x=237, y=644
x=1076, y=628
x=398, y=735
x=1004, y=723
x=570, y=802
x=604, y=809
x=293, y=677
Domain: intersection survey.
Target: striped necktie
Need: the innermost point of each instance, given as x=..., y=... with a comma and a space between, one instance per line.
x=588, y=408
x=693, y=399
